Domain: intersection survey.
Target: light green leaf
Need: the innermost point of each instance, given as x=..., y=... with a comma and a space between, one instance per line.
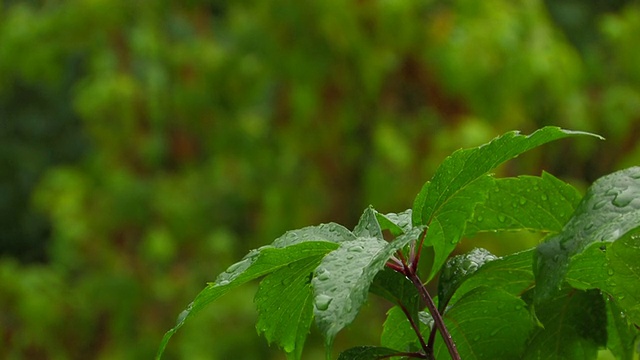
x=609, y=210
x=367, y=353
x=574, y=327
x=457, y=270
x=613, y=268
x=486, y=323
x=464, y=166
x=368, y=226
x=445, y=200
x=285, y=305
x=447, y=228
x=293, y=246
x=397, y=224
x=342, y=280
x=542, y=204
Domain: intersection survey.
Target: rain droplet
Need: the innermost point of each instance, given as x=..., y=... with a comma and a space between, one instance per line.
x=610, y=272
x=502, y=218
x=322, y=275
x=356, y=248
x=476, y=338
x=599, y=204
x=518, y=307
x=545, y=197
x=480, y=218
x=223, y=283
x=523, y=201
x=623, y=199
x=323, y=301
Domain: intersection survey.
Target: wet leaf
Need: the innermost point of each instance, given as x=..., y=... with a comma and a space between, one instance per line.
x=574, y=327
x=397, y=332
x=443, y=201
x=368, y=226
x=609, y=210
x=486, y=323
x=457, y=270
x=341, y=282
x=293, y=246
x=531, y=203
x=397, y=224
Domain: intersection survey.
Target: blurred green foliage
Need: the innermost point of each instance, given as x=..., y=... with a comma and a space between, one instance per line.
x=146, y=145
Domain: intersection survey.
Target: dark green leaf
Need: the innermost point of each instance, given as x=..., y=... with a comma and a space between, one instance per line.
x=293, y=246
x=368, y=226
x=613, y=268
x=574, y=327
x=285, y=305
x=512, y=273
x=367, y=353
x=398, y=224
x=532, y=203
x=621, y=335
x=610, y=209
x=397, y=332
x=445, y=203
x=486, y=323
x=342, y=280
x=457, y=270
x=396, y=288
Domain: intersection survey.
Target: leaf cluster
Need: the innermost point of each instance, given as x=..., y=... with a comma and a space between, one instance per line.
x=576, y=293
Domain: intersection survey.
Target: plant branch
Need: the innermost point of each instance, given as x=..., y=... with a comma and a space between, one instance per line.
x=416, y=328
x=414, y=260
x=437, y=318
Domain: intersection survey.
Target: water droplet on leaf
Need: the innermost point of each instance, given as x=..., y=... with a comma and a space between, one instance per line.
x=545, y=197
x=502, y=218
x=323, y=301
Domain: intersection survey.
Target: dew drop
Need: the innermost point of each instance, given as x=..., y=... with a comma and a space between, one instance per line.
x=610, y=272
x=480, y=218
x=502, y=218
x=323, y=301
x=545, y=197
x=323, y=275
x=356, y=248
x=222, y=283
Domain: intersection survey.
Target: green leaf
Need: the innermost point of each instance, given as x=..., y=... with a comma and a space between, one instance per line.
x=367, y=353
x=397, y=332
x=293, y=246
x=613, y=268
x=610, y=209
x=285, y=305
x=397, y=224
x=542, y=204
x=342, y=280
x=398, y=289
x=512, y=273
x=464, y=166
x=445, y=204
x=574, y=327
x=621, y=335
x=486, y=323
x=368, y=226
x=457, y=270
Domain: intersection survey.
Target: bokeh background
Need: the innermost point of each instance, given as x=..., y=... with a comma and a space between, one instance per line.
x=147, y=145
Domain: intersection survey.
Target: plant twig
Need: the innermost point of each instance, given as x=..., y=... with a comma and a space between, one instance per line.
x=437, y=318
x=415, y=327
